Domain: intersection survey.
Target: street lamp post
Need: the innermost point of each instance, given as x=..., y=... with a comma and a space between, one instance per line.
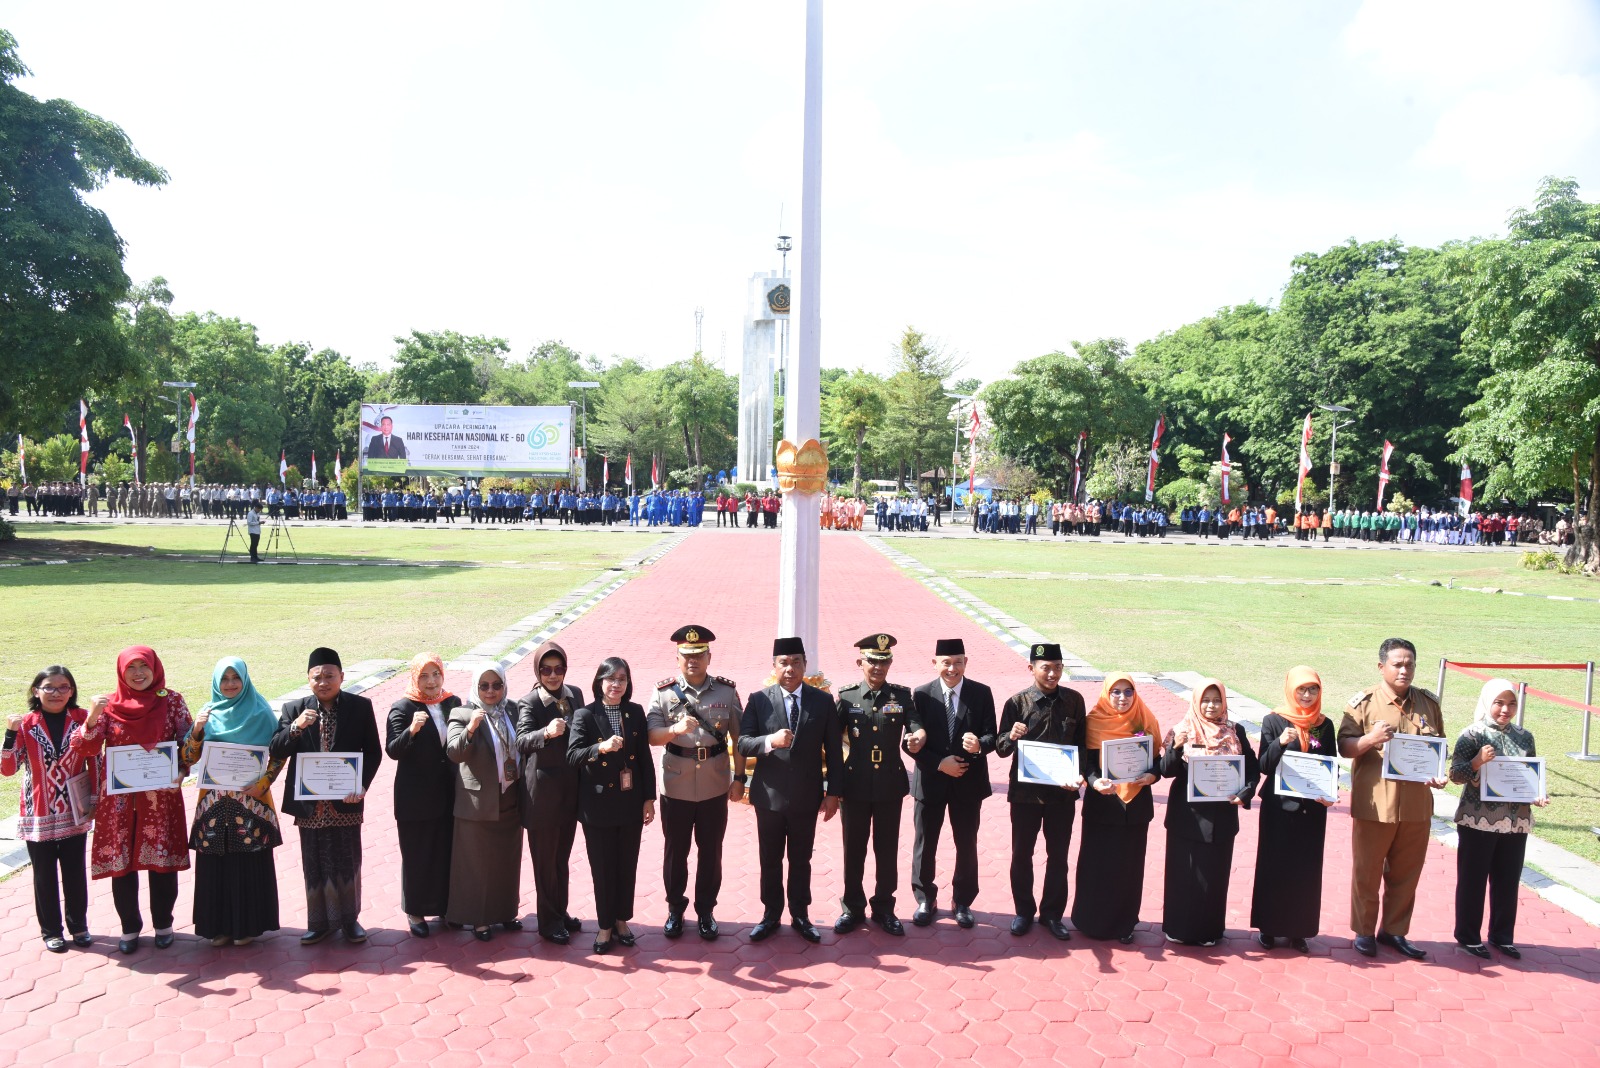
x=1333, y=447
x=784, y=246
x=955, y=457
x=177, y=402
x=583, y=395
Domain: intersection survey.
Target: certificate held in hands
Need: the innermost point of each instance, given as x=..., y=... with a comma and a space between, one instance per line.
x=1415, y=758
x=228, y=766
x=1307, y=775
x=1126, y=759
x=326, y=776
x=1215, y=778
x=1512, y=780
x=1047, y=764
x=133, y=769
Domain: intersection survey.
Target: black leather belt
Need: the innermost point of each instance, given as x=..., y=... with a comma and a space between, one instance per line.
x=699, y=753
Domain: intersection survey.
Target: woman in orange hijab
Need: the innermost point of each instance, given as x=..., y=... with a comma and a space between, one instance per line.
x=1116, y=817
x=1287, y=902
x=1200, y=835
x=424, y=791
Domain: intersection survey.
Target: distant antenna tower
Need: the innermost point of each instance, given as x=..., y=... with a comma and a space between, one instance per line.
x=699, y=317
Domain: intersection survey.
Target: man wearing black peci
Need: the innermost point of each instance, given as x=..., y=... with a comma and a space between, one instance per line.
x=1054, y=714
x=789, y=727
x=952, y=777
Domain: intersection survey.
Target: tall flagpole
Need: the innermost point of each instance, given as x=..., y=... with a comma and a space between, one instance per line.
x=802, y=461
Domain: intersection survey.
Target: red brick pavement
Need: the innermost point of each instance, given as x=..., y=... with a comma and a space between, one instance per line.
x=941, y=994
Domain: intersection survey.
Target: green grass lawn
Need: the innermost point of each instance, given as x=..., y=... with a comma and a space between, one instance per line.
x=1168, y=608
x=193, y=613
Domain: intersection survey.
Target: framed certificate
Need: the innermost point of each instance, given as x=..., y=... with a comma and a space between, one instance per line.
x=1415, y=758
x=326, y=776
x=1046, y=764
x=1125, y=759
x=1307, y=775
x=1515, y=780
x=80, y=795
x=1215, y=777
x=133, y=769
x=227, y=766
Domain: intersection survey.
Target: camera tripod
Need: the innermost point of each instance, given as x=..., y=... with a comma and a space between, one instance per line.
x=276, y=527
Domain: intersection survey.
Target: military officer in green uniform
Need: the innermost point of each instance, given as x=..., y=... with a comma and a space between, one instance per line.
x=695, y=716
x=873, y=715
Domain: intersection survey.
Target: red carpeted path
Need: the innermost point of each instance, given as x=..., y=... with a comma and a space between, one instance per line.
x=939, y=994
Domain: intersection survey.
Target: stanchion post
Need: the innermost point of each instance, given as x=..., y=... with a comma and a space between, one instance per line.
x=1522, y=701
x=1444, y=662
x=1588, y=716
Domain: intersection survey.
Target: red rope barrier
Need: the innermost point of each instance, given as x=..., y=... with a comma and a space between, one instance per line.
x=1518, y=667
x=1542, y=694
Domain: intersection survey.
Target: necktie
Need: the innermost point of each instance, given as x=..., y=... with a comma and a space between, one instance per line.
x=950, y=713
x=794, y=712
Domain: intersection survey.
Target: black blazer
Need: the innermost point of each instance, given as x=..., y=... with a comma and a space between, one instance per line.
x=602, y=801
x=1109, y=810
x=792, y=776
x=545, y=756
x=1213, y=821
x=356, y=732
x=974, y=714
x=424, y=775
x=1065, y=727
x=1326, y=744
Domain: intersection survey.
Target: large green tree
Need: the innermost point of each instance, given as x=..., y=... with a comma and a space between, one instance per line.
x=61, y=275
x=1534, y=316
x=444, y=367
x=851, y=406
x=917, y=427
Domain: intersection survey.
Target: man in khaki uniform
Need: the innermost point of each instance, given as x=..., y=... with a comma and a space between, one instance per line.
x=1389, y=832
x=695, y=716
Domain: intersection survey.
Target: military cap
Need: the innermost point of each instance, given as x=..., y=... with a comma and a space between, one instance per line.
x=877, y=646
x=693, y=639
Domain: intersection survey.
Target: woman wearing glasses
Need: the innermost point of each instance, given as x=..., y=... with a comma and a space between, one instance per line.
x=424, y=791
x=1116, y=817
x=544, y=716
x=486, y=855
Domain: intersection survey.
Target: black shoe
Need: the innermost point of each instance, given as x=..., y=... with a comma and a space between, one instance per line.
x=355, y=933
x=1126, y=939
x=559, y=936
x=1366, y=945
x=925, y=914
x=449, y=923
x=891, y=924
x=421, y=929
x=1059, y=929
x=806, y=931
x=514, y=925
x=964, y=918
x=1508, y=949
x=1406, y=949
x=82, y=938
x=482, y=935
x=764, y=929
x=1299, y=945
x=847, y=922
x=708, y=928
x=674, y=926
x=164, y=941
x=1266, y=941
x=573, y=923
x=127, y=943
x=1477, y=949
x=55, y=943
x=627, y=940
x=310, y=938
x=1021, y=925
x=603, y=946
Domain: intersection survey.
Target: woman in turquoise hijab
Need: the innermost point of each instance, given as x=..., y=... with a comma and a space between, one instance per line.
x=235, y=824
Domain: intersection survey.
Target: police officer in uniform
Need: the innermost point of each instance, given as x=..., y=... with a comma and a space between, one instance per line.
x=695, y=716
x=874, y=715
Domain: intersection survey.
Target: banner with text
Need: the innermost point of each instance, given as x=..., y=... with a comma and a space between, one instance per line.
x=465, y=439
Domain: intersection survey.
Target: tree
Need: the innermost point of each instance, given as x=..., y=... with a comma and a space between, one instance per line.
x=917, y=422
x=632, y=418
x=240, y=382
x=61, y=274
x=851, y=406
x=150, y=335
x=704, y=402
x=1533, y=314
x=443, y=367
x=542, y=378
x=321, y=401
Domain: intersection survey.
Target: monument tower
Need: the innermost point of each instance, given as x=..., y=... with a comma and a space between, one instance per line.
x=768, y=304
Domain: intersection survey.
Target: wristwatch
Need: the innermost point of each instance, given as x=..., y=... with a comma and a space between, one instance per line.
x=741, y=779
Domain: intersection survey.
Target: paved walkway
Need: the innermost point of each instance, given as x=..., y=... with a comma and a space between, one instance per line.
x=940, y=994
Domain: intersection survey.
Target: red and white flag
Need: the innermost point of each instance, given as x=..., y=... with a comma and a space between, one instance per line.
x=972, y=449
x=194, y=417
x=313, y=465
x=655, y=477
x=129, y=424
x=1305, y=463
x=1155, y=457
x=1383, y=473
x=283, y=468
x=1227, y=467
x=605, y=471
x=83, y=442
x=627, y=471
x=22, y=459
x=1077, y=465
x=1466, y=489
x=338, y=467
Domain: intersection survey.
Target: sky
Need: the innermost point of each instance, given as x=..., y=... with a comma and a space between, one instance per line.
x=1007, y=176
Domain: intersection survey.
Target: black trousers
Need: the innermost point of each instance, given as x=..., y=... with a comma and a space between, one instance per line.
x=614, y=866
x=255, y=545
x=163, y=895
x=879, y=821
x=1487, y=857
x=793, y=831
x=929, y=816
x=704, y=823
x=65, y=855
x=425, y=864
x=1026, y=823
x=550, y=845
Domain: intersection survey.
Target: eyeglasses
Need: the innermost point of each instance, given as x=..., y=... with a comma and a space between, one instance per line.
x=1120, y=692
x=491, y=685
x=545, y=669
x=55, y=689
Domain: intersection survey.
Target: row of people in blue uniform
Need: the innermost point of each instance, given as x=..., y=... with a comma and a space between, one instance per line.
x=563, y=506
x=306, y=504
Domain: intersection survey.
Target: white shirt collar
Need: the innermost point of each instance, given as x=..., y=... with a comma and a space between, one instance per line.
x=947, y=691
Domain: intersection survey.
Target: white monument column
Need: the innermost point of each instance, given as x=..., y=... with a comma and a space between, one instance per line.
x=802, y=461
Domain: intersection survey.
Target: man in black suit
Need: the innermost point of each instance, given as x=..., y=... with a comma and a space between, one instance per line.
x=789, y=727
x=386, y=444
x=952, y=775
x=329, y=721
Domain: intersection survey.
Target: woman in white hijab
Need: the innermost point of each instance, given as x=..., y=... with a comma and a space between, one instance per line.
x=1492, y=835
x=486, y=861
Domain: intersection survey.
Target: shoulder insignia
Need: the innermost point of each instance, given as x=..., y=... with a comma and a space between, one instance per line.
x=665, y=683
x=1429, y=694
x=1356, y=701
x=729, y=683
